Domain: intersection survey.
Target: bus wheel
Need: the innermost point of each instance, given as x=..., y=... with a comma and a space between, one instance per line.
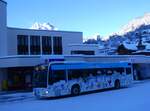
x=75, y=90
x=117, y=84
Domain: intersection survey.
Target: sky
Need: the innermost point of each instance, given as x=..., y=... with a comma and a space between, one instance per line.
x=91, y=17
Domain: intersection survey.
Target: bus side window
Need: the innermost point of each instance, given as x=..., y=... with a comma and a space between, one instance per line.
x=101, y=72
x=92, y=72
x=58, y=75
x=120, y=70
x=109, y=71
x=74, y=74
x=128, y=70
x=85, y=73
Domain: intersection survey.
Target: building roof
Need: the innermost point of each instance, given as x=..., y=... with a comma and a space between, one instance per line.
x=130, y=46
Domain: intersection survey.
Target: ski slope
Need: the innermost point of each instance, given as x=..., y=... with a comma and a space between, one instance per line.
x=134, y=98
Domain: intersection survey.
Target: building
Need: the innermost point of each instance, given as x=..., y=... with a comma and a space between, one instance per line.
x=21, y=50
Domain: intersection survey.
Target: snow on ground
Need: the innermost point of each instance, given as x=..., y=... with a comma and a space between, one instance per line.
x=134, y=98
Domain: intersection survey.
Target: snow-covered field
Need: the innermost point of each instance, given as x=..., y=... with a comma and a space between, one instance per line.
x=134, y=98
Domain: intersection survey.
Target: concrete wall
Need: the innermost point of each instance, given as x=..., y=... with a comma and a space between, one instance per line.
x=67, y=38
x=19, y=61
x=3, y=28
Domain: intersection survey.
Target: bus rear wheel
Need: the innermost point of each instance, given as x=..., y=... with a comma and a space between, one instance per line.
x=117, y=84
x=75, y=90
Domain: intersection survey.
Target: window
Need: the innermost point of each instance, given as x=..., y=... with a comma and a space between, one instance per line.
x=101, y=72
x=119, y=70
x=57, y=45
x=22, y=44
x=57, y=75
x=92, y=72
x=46, y=45
x=81, y=73
x=109, y=71
x=128, y=70
x=74, y=74
x=35, y=45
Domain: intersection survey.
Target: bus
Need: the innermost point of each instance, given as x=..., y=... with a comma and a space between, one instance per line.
x=73, y=78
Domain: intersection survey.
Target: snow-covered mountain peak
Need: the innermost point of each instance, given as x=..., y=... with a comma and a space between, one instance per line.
x=135, y=23
x=43, y=26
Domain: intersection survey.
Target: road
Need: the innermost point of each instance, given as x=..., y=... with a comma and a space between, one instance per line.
x=133, y=98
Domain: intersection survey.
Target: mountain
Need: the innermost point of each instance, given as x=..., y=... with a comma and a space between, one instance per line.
x=135, y=24
x=43, y=26
x=131, y=33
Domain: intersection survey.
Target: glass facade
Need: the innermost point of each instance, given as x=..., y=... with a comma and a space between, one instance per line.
x=35, y=45
x=22, y=44
x=46, y=45
x=57, y=45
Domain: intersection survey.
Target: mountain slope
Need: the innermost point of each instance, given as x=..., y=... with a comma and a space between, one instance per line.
x=135, y=23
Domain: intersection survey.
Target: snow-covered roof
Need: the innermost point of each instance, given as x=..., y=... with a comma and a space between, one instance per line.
x=140, y=51
x=147, y=45
x=131, y=46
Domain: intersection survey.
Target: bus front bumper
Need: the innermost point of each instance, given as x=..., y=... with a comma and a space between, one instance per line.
x=43, y=93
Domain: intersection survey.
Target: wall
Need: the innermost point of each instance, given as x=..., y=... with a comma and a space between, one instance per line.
x=3, y=28
x=19, y=61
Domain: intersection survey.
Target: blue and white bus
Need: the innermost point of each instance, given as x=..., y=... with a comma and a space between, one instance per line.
x=72, y=78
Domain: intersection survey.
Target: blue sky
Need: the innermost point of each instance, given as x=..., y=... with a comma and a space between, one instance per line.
x=89, y=16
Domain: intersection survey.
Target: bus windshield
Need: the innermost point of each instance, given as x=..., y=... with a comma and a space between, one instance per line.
x=40, y=76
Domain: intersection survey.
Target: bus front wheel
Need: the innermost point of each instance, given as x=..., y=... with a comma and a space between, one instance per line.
x=117, y=84
x=75, y=90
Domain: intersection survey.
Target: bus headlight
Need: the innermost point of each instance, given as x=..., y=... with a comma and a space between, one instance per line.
x=46, y=92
